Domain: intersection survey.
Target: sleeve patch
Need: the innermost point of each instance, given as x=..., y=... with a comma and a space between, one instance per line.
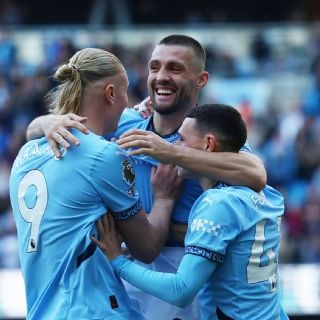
x=210, y=255
x=128, y=172
x=124, y=215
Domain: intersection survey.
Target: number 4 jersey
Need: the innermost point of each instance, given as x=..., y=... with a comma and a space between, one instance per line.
x=238, y=229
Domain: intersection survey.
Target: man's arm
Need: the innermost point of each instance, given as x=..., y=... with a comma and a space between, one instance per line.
x=241, y=168
x=178, y=289
x=233, y=168
x=145, y=234
x=55, y=128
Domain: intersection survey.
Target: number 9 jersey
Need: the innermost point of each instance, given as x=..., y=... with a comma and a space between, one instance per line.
x=55, y=205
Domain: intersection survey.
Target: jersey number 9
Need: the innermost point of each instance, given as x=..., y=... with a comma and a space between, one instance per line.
x=33, y=178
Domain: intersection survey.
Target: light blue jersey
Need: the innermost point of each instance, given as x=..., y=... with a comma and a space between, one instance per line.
x=239, y=230
x=232, y=245
x=55, y=205
x=168, y=260
x=131, y=119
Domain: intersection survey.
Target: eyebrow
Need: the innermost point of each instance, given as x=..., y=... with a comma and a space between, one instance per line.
x=153, y=60
x=167, y=62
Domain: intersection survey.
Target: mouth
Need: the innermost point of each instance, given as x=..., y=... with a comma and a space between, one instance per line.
x=165, y=94
x=164, y=91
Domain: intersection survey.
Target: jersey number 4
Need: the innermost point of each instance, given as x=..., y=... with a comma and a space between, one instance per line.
x=256, y=272
x=33, y=178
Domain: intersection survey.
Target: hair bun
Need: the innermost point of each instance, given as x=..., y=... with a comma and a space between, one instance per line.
x=66, y=72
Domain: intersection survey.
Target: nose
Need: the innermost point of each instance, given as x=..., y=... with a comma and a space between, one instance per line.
x=162, y=74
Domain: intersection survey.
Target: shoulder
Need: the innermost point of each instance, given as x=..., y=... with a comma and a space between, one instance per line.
x=105, y=160
x=130, y=113
x=97, y=151
x=131, y=118
x=223, y=193
x=90, y=142
x=223, y=202
x=214, y=214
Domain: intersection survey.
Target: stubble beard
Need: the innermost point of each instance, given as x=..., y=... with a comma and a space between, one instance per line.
x=182, y=103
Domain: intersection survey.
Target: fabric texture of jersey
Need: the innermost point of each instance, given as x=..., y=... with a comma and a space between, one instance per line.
x=239, y=230
x=152, y=307
x=233, y=241
x=55, y=205
x=168, y=260
x=131, y=119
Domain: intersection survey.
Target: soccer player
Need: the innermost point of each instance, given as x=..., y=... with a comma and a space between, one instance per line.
x=57, y=201
x=176, y=77
x=233, y=237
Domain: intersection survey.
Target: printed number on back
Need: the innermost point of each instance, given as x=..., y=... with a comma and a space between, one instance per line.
x=256, y=272
x=34, y=214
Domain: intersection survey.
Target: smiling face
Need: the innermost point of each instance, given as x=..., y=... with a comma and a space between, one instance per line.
x=175, y=78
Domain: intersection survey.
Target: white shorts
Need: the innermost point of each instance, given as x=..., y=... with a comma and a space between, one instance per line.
x=152, y=308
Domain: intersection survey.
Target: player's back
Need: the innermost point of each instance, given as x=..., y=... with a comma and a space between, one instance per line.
x=246, y=237
x=55, y=205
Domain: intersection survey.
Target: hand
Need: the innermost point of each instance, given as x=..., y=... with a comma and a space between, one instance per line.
x=148, y=143
x=108, y=237
x=55, y=128
x=165, y=182
x=144, y=108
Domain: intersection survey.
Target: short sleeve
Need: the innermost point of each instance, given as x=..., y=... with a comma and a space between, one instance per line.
x=114, y=180
x=212, y=226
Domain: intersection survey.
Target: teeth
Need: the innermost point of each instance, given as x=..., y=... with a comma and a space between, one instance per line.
x=164, y=91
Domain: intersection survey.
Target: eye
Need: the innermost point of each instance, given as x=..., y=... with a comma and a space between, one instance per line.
x=175, y=67
x=153, y=67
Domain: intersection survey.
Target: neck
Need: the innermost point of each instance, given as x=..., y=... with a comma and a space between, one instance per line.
x=98, y=129
x=96, y=121
x=165, y=124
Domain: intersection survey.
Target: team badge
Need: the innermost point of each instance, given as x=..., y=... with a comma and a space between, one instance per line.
x=128, y=172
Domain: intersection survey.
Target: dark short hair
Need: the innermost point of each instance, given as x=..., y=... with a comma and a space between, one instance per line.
x=224, y=121
x=186, y=41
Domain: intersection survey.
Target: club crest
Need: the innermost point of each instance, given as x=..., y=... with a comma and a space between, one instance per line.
x=128, y=172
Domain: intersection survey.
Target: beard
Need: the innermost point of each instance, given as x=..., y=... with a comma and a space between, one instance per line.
x=182, y=102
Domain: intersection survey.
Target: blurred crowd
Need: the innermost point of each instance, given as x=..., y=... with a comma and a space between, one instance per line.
x=287, y=139
x=34, y=12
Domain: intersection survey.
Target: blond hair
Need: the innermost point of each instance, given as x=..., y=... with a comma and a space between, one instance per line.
x=85, y=66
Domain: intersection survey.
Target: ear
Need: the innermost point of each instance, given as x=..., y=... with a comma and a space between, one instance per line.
x=109, y=93
x=203, y=79
x=211, y=143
